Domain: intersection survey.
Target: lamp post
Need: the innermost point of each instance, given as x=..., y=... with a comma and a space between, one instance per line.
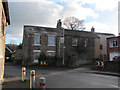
x=63, y=44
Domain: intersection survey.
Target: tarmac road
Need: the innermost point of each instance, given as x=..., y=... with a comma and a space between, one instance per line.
x=63, y=78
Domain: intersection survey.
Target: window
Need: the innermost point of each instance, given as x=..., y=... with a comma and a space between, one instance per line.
x=100, y=47
x=36, y=39
x=113, y=43
x=36, y=55
x=51, y=53
x=85, y=43
x=110, y=44
x=74, y=56
x=51, y=40
x=74, y=42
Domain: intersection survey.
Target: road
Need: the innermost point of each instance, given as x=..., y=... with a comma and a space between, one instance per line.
x=68, y=78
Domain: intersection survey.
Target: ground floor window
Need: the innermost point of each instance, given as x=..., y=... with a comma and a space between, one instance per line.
x=36, y=56
x=74, y=56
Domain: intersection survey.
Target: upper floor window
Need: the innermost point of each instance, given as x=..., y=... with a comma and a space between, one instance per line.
x=74, y=42
x=101, y=47
x=85, y=43
x=36, y=39
x=113, y=43
x=51, y=40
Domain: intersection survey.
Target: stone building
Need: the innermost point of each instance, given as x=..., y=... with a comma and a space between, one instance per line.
x=74, y=47
x=113, y=47
x=5, y=19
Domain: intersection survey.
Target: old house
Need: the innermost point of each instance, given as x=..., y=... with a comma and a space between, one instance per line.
x=5, y=20
x=103, y=43
x=113, y=47
x=74, y=47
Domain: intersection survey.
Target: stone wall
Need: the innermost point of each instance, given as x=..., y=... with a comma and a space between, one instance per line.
x=2, y=42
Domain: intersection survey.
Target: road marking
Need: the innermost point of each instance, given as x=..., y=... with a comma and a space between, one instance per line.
x=114, y=86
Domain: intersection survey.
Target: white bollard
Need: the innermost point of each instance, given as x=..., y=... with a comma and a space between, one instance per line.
x=32, y=79
x=42, y=83
x=23, y=74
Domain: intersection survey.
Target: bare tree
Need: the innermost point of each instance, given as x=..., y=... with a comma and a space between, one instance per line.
x=74, y=23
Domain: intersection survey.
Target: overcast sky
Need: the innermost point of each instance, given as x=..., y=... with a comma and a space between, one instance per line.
x=102, y=14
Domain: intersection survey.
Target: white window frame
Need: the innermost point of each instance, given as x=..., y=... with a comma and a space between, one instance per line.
x=36, y=34
x=112, y=42
x=48, y=40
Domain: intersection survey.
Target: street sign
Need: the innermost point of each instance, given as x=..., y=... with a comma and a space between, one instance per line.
x=43, y=63
x=100, y=63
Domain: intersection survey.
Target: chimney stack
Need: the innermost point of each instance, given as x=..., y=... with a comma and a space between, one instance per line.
x=92, y=29
x=59, y=23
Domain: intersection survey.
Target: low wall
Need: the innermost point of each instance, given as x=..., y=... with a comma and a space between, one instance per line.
x=113, y=66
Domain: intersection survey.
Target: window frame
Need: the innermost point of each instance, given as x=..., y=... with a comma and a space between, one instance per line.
x=113, y=43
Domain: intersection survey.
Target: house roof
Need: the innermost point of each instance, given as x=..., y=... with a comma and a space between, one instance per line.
x=104, y=33
x=113, y=37
x=79, y=33
x=6, y=10
x=67, y=32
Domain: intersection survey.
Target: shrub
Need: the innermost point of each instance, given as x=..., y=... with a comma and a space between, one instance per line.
x=51, y=60
x=42, y=57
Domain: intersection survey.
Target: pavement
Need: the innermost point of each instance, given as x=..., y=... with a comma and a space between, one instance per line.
x=13, y=80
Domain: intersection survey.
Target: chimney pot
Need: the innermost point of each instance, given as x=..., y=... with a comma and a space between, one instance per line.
x=92, y=29
x=59, y=23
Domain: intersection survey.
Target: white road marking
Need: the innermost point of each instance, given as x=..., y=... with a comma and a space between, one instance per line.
x=115, y=86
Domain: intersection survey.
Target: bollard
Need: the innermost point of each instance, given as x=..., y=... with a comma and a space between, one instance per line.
x=32, y=79
x=23, y=74
x=42, y=83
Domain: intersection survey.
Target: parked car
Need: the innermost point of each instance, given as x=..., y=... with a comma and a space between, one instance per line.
x=116, y=58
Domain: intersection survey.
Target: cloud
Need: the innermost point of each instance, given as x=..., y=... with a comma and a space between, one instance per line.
x=35, y=13
x=75, y=9
x=44, y=13
x=102, y=4
x=102, y=27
